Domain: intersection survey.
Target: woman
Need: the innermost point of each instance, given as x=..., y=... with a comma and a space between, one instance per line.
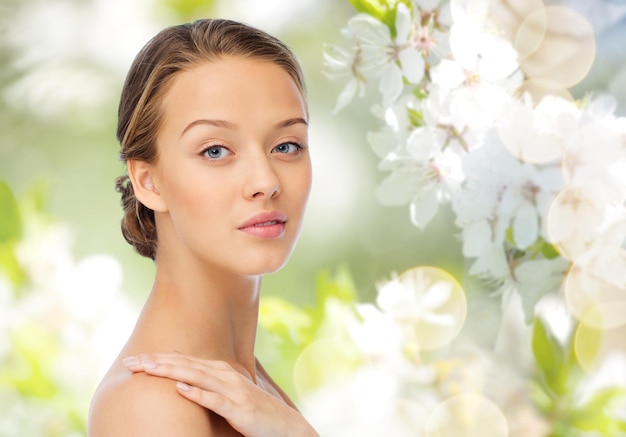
x=213, y=129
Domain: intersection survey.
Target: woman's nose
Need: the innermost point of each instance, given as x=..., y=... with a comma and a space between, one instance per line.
x=261, y=179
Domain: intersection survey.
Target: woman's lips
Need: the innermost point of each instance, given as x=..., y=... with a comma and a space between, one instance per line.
x=265, y=225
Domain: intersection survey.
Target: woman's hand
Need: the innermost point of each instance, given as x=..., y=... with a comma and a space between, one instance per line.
x=218, y=387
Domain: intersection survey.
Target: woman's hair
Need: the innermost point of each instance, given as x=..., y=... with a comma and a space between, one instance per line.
x=175, y=49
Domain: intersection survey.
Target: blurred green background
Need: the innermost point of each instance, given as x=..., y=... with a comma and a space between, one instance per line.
x=63, y=63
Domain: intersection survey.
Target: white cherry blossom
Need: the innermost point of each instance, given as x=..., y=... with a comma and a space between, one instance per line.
x=420, y=177
x=427, y=303
x=538, y=188
x=480, y=77
x=538, y=134
x=526, y=200
x=378, y=55
x=340, y=63
x=594, y=148
x=376, y=334
x=413, y=300
x=533, y=279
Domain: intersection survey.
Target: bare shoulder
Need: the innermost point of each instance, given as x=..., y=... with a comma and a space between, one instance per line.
x=141, y=405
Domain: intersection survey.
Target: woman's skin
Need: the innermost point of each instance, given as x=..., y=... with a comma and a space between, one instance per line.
x=217, y=387
x=228, y=190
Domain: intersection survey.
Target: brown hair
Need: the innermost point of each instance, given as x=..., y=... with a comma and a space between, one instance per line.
x=172, y=50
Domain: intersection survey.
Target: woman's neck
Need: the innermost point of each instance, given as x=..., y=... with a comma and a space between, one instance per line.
x=207, y=313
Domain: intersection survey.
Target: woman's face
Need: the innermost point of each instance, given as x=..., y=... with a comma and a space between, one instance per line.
x=233, y=169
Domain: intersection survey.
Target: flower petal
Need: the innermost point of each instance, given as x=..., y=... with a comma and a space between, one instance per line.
x=412, y=64
x=391, y=294
x=346, y=96
x=396, y=189
x=474, y=237
x=447, y=74
x=390, y=84
x=525, y=226
x=369, y=30
x=421, y=141
x=437, y=295
x=423, y=208
x=403, y=23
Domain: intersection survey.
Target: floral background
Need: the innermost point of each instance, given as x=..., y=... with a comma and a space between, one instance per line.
x=470, y=278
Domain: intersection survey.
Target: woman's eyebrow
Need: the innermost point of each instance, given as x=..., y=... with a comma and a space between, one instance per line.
x=291, y=122
x=228, y=125
x=219, y=123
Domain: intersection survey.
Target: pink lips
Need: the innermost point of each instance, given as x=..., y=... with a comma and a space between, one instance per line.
x=265, y=225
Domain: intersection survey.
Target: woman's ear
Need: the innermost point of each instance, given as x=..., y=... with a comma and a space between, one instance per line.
x=144, y=187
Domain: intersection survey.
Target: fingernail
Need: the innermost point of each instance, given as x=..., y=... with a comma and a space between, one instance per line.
x=182, y=386
x=148, y=365
x=131, y=361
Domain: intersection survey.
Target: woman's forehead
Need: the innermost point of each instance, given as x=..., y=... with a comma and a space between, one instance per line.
x=233, y=94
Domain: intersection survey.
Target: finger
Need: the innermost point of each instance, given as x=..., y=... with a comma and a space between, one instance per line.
x=174, y=358
x=240, y=419
x=136, y=362
x=216, y=376
x=211, y=400
x=198, y=374
x=229, y=383
x=133, y=364
x=206, y=379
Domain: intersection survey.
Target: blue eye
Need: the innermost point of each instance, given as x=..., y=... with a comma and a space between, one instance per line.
x=216, y=152
x=288, y=148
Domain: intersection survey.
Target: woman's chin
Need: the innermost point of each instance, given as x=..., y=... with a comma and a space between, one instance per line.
x=265, y=268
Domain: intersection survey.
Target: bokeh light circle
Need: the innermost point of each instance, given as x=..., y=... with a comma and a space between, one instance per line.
x=556, y=43
x=510, y=15
x=574, y=217
x=594, y=346
x=538, y=88
x=467, y=415
x=595, y=288
x=438, y=296
x=531, y=32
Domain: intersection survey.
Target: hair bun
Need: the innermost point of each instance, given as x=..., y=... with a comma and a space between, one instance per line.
x=138, y=227
x=122, y=184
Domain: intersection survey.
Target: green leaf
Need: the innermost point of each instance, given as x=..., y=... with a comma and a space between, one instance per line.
x=340, y=286
x=34, y=199
x=34, y=348
x=375, y=8
x=383, y=10
x=280, y=317
x=551, y=358
x=508, y=235
x=10, y=266
x=286, y=331
x=420, y=92
x=549, y=250
x=539, y=397
x=10, y=222
x=189, y=10
x=415, y=117
x=595, y=414
x=10, y=234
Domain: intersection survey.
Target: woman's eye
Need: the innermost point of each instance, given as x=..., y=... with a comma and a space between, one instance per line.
x=216, y=152
x=287, y=148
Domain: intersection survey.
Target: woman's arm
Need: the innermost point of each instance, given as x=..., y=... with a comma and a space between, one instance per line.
x=216, y=386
